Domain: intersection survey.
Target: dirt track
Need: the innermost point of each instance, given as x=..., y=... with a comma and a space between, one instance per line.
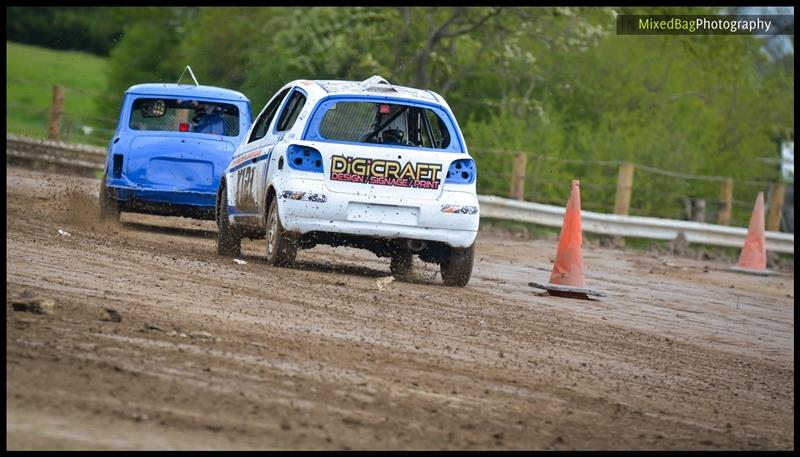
x=681, y=354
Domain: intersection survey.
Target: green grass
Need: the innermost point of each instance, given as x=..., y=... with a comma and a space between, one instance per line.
x=31, y=73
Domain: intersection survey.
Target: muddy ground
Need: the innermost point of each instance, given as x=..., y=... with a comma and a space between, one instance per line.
x=208, y=354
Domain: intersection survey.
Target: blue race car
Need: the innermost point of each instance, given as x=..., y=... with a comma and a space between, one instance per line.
x=170, y=148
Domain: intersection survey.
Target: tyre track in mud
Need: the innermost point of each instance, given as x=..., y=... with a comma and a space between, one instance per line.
x=215, y=355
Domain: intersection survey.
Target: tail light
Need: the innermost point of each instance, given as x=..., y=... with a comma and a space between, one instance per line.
x=117, y=169
x=461, y=171
x=304, y=158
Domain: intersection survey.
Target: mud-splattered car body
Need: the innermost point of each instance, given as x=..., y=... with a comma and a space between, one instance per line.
x=362, y=164
x=170, y=147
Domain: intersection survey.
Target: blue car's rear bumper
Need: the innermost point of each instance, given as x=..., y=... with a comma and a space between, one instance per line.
x=174, y=197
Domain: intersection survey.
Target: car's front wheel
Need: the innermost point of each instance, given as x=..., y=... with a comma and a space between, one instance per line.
x=109, y=206
x=456, y=266
x=281, y=247
x=229, y=243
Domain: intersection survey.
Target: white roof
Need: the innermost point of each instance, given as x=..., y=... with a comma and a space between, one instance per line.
x=374, y=86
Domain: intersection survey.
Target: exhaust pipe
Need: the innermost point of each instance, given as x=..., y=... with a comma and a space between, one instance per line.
x=416, y=245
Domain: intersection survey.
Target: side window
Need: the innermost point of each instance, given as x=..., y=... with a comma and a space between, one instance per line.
x=262, y=124
x=291, y=111
x=440, y=135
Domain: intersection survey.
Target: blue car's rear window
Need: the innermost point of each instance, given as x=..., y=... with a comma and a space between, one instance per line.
x=174, y=115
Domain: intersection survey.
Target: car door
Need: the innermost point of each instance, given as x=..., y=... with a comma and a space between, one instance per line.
x=284, y=121
x=244, y=167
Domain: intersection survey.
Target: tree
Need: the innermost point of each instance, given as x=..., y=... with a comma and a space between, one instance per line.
x=552, y=81
x=93, y=30
x=147, y=53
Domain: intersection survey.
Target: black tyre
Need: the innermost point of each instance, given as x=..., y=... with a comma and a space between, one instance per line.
x=456, y=266
x=281, y=247
x=109, y=206
x=229, y=243
x=402, y=265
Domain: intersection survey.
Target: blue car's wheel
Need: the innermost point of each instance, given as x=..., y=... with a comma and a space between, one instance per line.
x=109, y=207
x=229, y=243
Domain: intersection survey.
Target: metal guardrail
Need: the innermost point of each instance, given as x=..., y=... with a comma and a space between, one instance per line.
x=92, y=158
x=629, y=226
x=88, y=158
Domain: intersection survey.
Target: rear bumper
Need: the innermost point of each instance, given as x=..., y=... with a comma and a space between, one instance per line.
x=128, y=193
x=454, y=238
x=381, y=217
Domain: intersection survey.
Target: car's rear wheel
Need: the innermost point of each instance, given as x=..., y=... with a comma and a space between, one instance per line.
x=281, y=247
x=456, y=266
x=109, y=206
x=402, y=265
x=229, y=243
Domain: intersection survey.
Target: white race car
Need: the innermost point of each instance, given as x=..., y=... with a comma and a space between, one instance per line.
x=362, y=164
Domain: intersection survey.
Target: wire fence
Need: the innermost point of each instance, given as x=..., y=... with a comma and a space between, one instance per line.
x=29, y=112
x=654, y=192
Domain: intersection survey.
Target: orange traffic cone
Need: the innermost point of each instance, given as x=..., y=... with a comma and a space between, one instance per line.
x=753, y=258
x=567, y=278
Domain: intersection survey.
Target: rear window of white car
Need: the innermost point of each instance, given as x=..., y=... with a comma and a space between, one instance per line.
x=384, y=123
x=174, y=115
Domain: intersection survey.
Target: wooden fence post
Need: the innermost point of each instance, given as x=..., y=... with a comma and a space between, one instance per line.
x=622, y=202
x=518, y=177
x=56, y=111
x=775, y=210
x=726, y=202
x=698, y=213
